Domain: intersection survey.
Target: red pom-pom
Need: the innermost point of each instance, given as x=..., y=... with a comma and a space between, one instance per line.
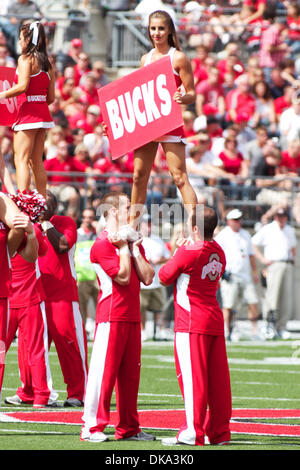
x=30, y=202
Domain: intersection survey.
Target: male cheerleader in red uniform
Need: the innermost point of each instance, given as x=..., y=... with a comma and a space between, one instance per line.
x=27, y=316
x=58, y=275
x=200, y=352
x=13, y=225
x=116, y=355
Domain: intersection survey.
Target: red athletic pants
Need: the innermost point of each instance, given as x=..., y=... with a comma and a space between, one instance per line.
x=33, y=358
x=115, y=361
x=66, y=329
x=3, y=336
x=203, y=376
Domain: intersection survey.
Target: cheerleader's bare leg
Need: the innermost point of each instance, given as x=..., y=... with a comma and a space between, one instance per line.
x=175, y=156
x=38, y=169
x=143, y=162
x=23, y=148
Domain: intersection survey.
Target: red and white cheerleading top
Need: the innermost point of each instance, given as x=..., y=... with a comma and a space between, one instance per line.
x=195, y=271
x=115, y=302
x=34, y=112
x=26, y=285
x=177, y=134
x=58, y=273
x=4, y=262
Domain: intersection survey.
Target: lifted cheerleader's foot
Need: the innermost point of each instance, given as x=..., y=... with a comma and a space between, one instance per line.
x=128, y=233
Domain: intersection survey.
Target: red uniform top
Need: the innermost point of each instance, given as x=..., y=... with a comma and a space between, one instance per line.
x=57, y=269
x=26, y=286
x=33, y=111
x=115, y=302
x=179, y=131
x=195, y=271
x=4, y=262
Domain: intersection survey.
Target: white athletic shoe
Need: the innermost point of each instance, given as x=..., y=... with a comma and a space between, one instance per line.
x=15, y=400
x=93, y=437
x=170, y=441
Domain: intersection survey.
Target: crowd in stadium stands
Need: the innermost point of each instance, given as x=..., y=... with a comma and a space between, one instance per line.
x=245, y=122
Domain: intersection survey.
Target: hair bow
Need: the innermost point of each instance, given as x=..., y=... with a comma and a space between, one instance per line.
x=35, y=35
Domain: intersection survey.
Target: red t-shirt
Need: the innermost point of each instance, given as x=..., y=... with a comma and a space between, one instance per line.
x=231, y=165
x=57, y=269
x=292, y=164
x=115, y=302
x=26, y=285
x=66, y=166
x=280, y=104
x=211, y=93
x=240, y=103
x=195, y=271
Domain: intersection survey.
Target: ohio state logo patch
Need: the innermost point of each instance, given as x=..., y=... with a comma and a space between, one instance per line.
x=213, y=269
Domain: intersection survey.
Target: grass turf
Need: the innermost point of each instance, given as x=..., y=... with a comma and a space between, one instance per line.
x=263, y=375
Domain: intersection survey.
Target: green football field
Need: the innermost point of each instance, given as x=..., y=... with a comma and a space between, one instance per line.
x=265, y=380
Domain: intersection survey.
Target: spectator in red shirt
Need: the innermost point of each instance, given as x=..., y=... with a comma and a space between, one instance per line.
x=240, y=100
x=82, y=66
x=88, y=88
x=92, y=119
x=77, y=111
x=188, y=123
x=202, y=71
x=284, y=102
x=273, y=49
x=259, y=7
x=290, y=161
x=210, y=99
x=61, y=185
x=198, y=61
x=231, y=64
x=232, y=159
x=293, y=32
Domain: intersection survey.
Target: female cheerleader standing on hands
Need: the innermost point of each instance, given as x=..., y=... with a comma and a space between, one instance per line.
x=35, y=77
x=164, y=39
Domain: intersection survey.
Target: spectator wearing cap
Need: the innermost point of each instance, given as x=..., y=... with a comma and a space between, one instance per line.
x=241, y=272
x=92, y=119
x=275, y=248
x=273, y=48
x=70, y=59
x=98, y=70
x=240, y=102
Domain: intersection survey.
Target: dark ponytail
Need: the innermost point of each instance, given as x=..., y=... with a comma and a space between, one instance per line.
x=38, y=50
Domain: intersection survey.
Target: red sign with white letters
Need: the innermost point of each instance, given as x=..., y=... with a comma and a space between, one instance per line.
x=8, y=107
x=139, y=107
